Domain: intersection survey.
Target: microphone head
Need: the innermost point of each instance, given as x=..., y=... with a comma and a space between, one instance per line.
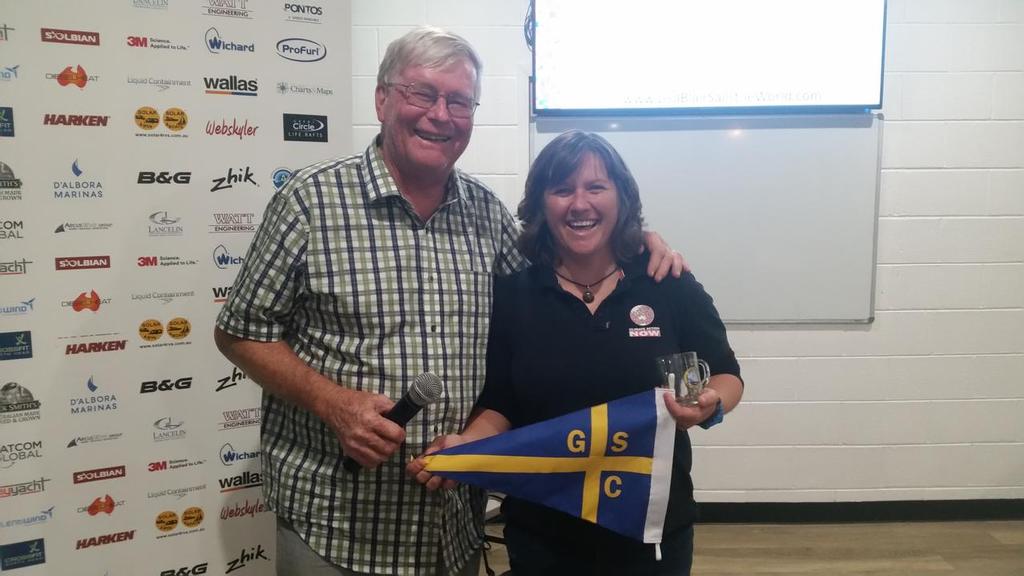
x=426, y=388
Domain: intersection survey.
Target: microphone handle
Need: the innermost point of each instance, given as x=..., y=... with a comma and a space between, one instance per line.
x=403, y=411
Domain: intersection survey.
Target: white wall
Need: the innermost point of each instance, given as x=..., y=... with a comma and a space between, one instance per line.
x=927, y=402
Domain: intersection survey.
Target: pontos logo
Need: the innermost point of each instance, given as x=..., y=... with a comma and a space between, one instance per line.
x=231, y=86
x=98, y=474
x=305, y=13
x=69, y=36
x=81, y=262
x=166, y=385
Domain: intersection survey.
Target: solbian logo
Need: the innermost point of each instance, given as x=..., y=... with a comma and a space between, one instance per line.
x=98, y=474
x=81, y=262
x=305, y=128
x=215, y=44
x=69, y=36
x=301, y=50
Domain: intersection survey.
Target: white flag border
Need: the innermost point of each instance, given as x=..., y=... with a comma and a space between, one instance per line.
x=661, y=471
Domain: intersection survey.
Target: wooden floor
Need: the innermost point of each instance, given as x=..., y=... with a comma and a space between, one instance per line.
x=887, y=549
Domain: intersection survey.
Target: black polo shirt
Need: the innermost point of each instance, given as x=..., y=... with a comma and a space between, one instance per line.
x=548, y=356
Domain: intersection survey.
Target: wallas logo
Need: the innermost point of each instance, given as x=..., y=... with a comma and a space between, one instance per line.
x=231, y=86
x=73, y=77
x=105, y=539
x=75, y=120
x=305, y=128
x=164, y=178
x=97, y=474
x=167, y=429
x=223, y=259
x=228, y=455
x=17, y=404
x=215, y=44
x=81, y=262
x=15, y=452
x=221, y=293
x=247, y=479
x=148, y=119
x=69, y=36
x=163, y=224
x=95, y=402
x=234, y=129
x=15, y=345
x=6, y=121
x=14, y=267
x=242, y=176
x=79, y=187
x=301, y=50
x=22, y=554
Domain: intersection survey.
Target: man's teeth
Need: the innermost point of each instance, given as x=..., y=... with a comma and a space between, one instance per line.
x=433, y=137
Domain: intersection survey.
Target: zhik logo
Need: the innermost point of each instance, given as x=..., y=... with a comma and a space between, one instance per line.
x=254, y=553
x=232, y=178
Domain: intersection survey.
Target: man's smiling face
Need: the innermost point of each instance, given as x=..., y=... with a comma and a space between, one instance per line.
x=425, y=143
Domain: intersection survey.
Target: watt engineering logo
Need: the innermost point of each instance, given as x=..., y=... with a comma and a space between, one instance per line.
x=231, y=86
x=301, y=50
x=215, y=44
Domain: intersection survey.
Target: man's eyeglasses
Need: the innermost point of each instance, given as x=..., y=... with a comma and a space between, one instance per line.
x=425, y=96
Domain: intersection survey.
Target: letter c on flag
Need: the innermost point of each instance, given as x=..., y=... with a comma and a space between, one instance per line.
x=612, y=491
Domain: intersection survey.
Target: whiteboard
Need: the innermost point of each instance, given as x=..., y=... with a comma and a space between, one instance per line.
x=777, y=215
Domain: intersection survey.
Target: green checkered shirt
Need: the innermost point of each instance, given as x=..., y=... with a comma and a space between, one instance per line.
x=369, y=295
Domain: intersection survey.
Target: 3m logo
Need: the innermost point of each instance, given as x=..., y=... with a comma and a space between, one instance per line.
x=157, y=466
x=138, y=41
x=147, y=261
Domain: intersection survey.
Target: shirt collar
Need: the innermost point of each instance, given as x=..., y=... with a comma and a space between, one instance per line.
x=383, y=184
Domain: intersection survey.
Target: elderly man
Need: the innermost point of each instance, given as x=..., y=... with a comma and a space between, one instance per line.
x=367, y=271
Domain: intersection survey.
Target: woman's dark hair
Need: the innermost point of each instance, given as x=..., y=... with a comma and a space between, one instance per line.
x=556, y=163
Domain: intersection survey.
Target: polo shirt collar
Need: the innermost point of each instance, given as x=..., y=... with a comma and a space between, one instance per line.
x=383, y=184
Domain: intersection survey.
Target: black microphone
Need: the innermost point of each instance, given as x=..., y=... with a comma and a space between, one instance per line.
x=426, y=388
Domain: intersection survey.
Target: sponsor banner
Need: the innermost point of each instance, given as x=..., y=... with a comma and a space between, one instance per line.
x=17, y=404
x=15, y=345
x=23, y=488
x=22, y=554
x=305, y=128
x=69, y=36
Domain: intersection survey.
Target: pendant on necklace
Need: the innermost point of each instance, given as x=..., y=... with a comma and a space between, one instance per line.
x=588, y=296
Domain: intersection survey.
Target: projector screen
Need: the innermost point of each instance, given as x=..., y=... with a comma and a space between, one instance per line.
x=707, y=56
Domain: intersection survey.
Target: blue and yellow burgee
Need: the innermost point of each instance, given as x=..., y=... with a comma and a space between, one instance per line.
x=610, y=464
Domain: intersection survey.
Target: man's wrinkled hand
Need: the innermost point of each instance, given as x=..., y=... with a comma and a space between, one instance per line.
x=364, y=433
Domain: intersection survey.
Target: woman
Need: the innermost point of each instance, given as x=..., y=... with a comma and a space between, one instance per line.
x=564, y=336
